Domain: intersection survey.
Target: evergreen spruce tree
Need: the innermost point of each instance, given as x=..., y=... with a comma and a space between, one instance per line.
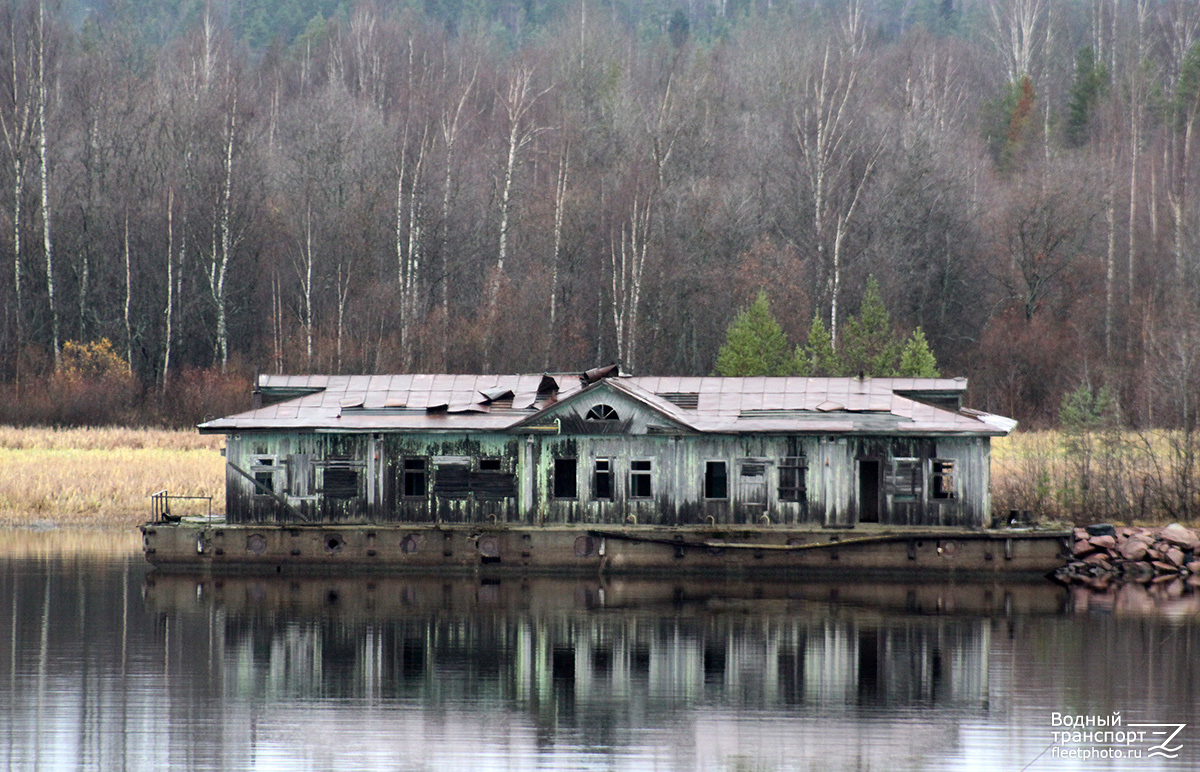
x=918, y=361
x=869, y=346
x=755, y=343
x=817, y=358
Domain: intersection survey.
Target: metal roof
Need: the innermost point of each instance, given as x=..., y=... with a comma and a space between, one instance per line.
x=428, y=402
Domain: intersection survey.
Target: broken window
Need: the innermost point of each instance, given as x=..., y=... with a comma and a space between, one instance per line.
x=792, y=473
x=453, y=478
x=641, y=480
x=906, y=479
x=340, y=478
x=415, y=472
x=602, y=479
x=716, y=480
x=566, y=485
x=264, y=469
x=752, y=481
x=602, y=413
x=491, y=482
x=942, y=479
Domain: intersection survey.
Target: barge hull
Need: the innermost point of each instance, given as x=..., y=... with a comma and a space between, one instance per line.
x=607, y=550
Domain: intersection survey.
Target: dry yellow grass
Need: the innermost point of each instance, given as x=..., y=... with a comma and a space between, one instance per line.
x=103, y=478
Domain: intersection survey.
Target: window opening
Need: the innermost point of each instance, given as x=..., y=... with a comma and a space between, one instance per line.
x=453, y=479
x=341, y=478
x=602, y=480
x=752, y=481
x=264, y=469
x=641, y=480
x=792, y=483
x=602, y=413
x=416, y=477
x=565, y=481
x=943, y=479
x=716, y=480
x=490, y=482
x=906, y=479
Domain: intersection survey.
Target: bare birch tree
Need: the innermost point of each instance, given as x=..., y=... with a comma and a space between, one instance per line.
x=628, y=251
x=835, y=168
x=17, y=119
x=518, y=101
x=452, y=121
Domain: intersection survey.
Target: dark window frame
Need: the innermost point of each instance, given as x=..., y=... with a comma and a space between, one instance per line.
x=942, y=473
x=564, y=485
x=641, y=478
x=716, y=486
x=607, y=474
x=412, y=469
x=602, y=412
x=266, y=470
x=793, y=478
x=907, y=470
x=347, y=478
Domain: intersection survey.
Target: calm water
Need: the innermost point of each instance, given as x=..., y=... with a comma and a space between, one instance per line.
x=108, y=666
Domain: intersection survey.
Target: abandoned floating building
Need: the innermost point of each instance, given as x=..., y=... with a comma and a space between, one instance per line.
x=601, y=458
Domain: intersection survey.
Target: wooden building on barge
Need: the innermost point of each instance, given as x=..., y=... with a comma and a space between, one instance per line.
x=602, y=457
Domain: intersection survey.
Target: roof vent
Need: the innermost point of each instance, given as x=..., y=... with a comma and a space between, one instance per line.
x=688, y=400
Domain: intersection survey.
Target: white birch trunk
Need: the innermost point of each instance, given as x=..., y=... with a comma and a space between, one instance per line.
x=628, y=271
x=223, y=238
x=128, y=299
x=169, y=311
x=451, y=125
x=518, y=102
x=560, y=196
x=47, y=244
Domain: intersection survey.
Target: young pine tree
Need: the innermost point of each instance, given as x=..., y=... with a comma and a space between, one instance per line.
x=755, y=343
x=869, y=346
x=817, y=357
x=917, y=360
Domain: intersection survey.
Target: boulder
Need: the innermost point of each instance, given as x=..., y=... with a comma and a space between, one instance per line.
x=1103, y=542
x=1163, y=567
x=1179, y=536
x=1101, y=529
x=1175, y=557
x=1194, y=566
x=1134, y=549
x=1082, y=548
x=1100, y=560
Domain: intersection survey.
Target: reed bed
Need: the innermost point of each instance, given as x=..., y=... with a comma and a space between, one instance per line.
x=103, y=478
x=1115, y=475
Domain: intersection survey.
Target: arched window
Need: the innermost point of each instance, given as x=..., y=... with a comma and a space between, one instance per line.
x=602, y=413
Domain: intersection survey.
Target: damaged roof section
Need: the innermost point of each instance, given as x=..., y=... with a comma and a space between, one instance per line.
x=415, y=402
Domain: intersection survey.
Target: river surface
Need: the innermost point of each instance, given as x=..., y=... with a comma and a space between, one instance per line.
x=110, y=666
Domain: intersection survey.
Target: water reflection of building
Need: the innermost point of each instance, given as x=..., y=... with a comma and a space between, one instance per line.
x=576, y=649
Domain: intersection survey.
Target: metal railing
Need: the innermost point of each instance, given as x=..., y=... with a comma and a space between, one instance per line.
x=160, y=506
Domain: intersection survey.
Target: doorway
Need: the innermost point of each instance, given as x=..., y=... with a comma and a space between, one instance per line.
x=868, y=490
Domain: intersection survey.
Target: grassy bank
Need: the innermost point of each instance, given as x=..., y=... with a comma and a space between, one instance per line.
x=102, y=477
x=1114, y=475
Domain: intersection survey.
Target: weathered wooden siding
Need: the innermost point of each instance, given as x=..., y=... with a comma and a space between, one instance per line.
x=510, y=478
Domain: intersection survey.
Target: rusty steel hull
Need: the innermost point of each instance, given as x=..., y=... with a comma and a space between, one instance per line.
x=419, y=548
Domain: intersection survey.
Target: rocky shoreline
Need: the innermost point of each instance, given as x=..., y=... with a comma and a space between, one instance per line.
x=1104, y=554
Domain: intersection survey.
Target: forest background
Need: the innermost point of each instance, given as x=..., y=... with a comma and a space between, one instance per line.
x=191, y=192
